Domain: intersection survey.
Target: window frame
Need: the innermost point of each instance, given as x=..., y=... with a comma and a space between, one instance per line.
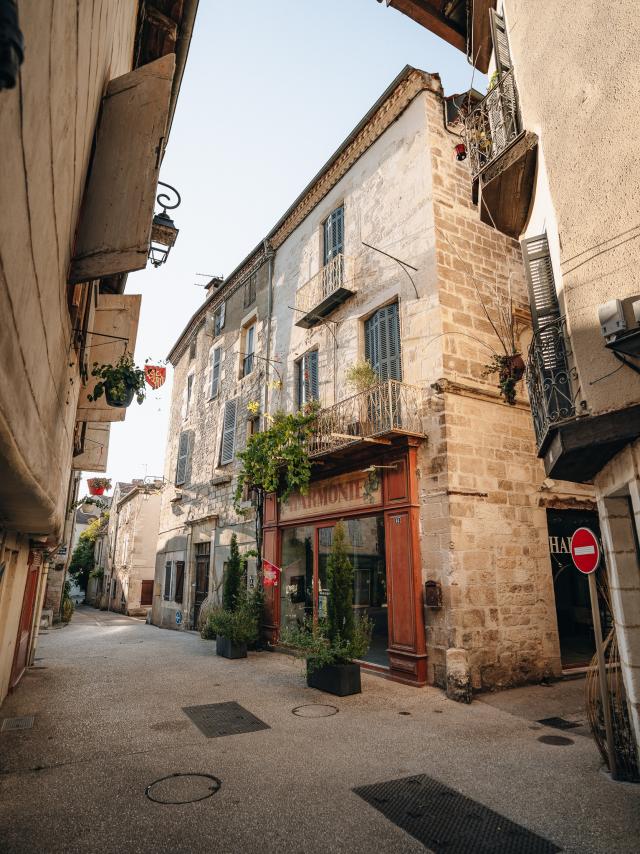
x=248, y=349
x=216, y=370
x=334, y=221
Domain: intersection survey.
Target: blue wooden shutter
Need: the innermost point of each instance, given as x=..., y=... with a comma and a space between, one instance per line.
x=313, y=390
x=382, y=343
x=333, y=234
x=215, y=372
x=183, y=454
x=229, y=432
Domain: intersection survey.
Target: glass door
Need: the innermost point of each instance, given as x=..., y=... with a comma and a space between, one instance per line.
x=296, y=581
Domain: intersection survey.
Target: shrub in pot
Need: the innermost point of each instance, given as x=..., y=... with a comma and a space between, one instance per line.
x=233, y=630
x=119, y=383
x=330, y=646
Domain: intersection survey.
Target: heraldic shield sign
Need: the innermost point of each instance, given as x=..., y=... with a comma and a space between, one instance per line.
x=155, y=375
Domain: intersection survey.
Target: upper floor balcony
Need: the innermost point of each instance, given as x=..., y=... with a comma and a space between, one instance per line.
x=502, y=157
x=374, y=416
x=329, y=288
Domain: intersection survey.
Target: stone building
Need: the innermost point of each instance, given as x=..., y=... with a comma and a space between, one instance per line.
x=90, y=90
x=382, y=258
x=551, y=167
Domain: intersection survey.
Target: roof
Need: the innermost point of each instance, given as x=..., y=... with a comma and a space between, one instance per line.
x=409, y=82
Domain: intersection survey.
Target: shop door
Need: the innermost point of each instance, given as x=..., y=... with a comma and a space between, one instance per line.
x=26, y=619
x=571, y=588
x=296, y=581
x=203, y=552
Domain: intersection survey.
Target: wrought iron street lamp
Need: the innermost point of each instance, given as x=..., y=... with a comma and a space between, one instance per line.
x=163, y=230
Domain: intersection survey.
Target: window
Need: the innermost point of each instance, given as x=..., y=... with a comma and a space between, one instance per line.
x=250, y=290
x=189, y=393
x=183, y=456
x=167, y=581
x=307, y=378
x=215, y=372
x=382, y=342
x=249, y=349
x=177, y=596
x=218, y=319
x=193, y=346
x=228, y=445
x=333, y=235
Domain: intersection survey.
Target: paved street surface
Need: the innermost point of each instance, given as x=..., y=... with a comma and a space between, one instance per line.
x=107, y=695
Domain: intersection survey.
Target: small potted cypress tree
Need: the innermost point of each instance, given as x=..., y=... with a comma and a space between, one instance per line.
x=331, y=646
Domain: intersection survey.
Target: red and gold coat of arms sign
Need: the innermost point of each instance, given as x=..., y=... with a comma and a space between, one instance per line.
x=155, y=375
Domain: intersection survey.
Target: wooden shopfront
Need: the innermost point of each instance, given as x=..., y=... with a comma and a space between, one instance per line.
x=379, y=508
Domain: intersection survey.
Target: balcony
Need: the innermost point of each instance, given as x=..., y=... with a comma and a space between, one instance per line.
x=373, y=416
x=502, y=156
x=322, y=294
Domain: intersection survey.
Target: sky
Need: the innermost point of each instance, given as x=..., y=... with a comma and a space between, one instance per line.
x=271, y=89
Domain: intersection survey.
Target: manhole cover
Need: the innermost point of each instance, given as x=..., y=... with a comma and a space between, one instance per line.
x=559, y=723
x=556, y=739
x=445, y=820
x=182, y=788
x=219, y=719
x=25, y=722
x=315, y=710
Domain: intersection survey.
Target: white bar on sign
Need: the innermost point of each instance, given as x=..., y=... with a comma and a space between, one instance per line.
x=584, y=550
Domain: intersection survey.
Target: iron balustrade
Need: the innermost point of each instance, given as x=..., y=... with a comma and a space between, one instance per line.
x=387, y=407
x=550, y=378
x=333, y=276
x=493, y=124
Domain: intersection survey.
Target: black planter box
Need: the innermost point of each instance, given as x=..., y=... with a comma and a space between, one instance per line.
x=228, y=649
x=339, y=679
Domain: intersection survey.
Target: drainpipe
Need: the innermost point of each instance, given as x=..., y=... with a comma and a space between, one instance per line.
x=269, y=253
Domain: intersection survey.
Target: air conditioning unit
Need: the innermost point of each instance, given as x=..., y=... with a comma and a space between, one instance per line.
x=620, y=326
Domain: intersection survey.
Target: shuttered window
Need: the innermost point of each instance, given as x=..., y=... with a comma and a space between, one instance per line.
x=250, y=290
x=215, y=372
x=500, y=42
x=307, y=378
x=177, y=596
x=333, y=240
x=189, y=393
x=219, y=318
x=543, y=299
x=249, y=350
x=167, y=581
x=183, y=456
x=228, y=445
x=382, y=342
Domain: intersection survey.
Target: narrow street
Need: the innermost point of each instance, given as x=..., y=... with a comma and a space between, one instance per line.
x=107, y=694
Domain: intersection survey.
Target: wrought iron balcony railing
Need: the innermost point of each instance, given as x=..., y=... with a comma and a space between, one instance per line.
x=493, y=124
x=325, y=291
x=389, y=407
x=550, y=378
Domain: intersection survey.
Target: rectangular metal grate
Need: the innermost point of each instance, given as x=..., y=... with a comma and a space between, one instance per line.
x=219, y=719
x=448, y=822
x=559, y=723
x=25, y=722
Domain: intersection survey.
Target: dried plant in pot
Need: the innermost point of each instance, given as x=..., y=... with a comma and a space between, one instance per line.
x=119, y=383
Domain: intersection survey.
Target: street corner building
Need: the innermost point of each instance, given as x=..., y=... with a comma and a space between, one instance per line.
x=87, y=94
x=551, y=168
x=382, y=259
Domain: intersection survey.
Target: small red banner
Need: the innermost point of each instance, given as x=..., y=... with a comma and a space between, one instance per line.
x=155, y=375
x=270, y=573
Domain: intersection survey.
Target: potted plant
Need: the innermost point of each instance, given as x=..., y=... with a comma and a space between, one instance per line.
x=233, y=630
x=510, y=369
x=119, y=383
x=330, y=646
x=97, y=485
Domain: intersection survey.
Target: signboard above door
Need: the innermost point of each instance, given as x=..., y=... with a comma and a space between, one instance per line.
x=333, y=496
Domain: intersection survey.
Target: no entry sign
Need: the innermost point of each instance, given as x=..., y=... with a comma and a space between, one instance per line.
x=585, y=550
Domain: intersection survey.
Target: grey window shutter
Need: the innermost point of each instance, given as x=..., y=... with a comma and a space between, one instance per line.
x=543, y=299
x=167, y=581
x=115, y=220
x=223, y=313
x=215, y=372
x=183, y=455
x=334, y=234
x=382, y=343
x=229, y=432
x=312, y=376
x=500, y=42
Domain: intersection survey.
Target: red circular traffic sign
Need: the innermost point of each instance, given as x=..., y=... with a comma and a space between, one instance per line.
x=585, y=550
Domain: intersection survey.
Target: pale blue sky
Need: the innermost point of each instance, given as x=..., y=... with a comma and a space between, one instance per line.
x=271, y=89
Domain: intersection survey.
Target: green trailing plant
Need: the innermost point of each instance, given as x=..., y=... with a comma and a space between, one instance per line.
x=82, y=560
x=234, y=577
x=342, y=637
x=97, y=573
x=362, y=376
x=118, y=381
x=94, y=501
x=510, y=370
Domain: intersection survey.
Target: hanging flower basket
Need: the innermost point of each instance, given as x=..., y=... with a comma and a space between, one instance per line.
x=510, y=370
x=119, y=383
x=97, y=485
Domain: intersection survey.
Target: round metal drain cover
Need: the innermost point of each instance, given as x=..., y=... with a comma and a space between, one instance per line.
x=556, y=739
x=182, y=788
x=315, y=710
